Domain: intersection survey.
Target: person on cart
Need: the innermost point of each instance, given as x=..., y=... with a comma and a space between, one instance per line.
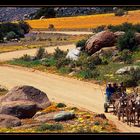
x=115, y=87
x=109, y=92
x=122, y=89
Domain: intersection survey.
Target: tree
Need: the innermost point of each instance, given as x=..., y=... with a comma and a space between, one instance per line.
x=127, y=41
x=1, y=37
x=25, y=27
x=47, y=12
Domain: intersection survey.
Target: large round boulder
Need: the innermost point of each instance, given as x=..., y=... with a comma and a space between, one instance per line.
x=100, y=40
x=27, y=93
x=9, y=121
x=20, y=109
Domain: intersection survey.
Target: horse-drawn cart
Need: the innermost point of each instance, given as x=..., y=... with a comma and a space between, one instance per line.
x=109, y=103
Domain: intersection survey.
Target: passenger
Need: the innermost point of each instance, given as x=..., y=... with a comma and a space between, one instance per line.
x=115, y=87
x=122, y=87
x=109, y=91
x=122, y=90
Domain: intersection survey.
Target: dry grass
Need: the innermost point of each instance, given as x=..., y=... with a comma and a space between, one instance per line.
x=28, y=43
x=14, y=48
x=90, y=21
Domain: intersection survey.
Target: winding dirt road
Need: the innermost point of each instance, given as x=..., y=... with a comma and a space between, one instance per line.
x=58, y=88
x=16, y=54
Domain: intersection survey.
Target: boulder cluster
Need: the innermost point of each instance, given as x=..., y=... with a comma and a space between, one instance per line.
x=21, y=102
x=27, y=102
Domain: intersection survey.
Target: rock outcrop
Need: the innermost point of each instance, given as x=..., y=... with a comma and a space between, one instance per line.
x=100, y=40
x=127, y=69
x=74, y=53
x=19, y=109
x=9, y=121
x=27, y=93
x=23, y=102
x=63, y=116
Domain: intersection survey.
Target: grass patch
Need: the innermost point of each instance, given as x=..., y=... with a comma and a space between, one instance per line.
x=51, y=127
x=107, y=72
x=25, y=63
x=64, y=70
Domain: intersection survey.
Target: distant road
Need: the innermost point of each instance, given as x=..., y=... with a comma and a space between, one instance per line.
x=16, y=54
x=66, y=32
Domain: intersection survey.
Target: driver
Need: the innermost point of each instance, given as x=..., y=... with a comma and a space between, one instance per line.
x=109, y=91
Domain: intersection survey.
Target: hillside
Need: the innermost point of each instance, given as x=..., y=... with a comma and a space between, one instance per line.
x=88, y=22
x=14, y=13
x=17, y=13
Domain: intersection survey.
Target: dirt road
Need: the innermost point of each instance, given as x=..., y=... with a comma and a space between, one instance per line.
x=61, y=89
x=17, y=54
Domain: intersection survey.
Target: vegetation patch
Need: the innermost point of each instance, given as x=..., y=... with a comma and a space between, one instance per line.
x=51, y=127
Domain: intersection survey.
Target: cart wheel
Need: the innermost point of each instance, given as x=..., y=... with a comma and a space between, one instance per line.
x=105, y=107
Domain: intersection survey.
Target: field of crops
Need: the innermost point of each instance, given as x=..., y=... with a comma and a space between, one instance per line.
x=86, y=22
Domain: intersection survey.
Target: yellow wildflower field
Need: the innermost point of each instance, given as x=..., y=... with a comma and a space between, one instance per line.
x=86, y=22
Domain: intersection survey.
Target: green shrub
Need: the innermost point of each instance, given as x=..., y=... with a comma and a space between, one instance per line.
x=11, y=35
x=85, y=74
x=59, y=53
x=40, y=53
x=104, y=61
x=51, y=61
x=18, y=28
x=127, y=41
x=124, y=27
x=25, y=26
x=47, y=12
x=132, y=79
x=126, y=56
x=96, y=60
x=60, y=105
x=95, y=74
x=129, y=81
x=120, y=12
x=81, y=43
x=26, y=57
x=24, y=63
x=51, y=127
x=61, y=62
x=82, y=60
x=65, y=70
x=1, y=37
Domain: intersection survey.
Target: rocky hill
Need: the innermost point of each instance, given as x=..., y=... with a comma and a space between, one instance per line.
x=20, y=13
x=14, y=13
